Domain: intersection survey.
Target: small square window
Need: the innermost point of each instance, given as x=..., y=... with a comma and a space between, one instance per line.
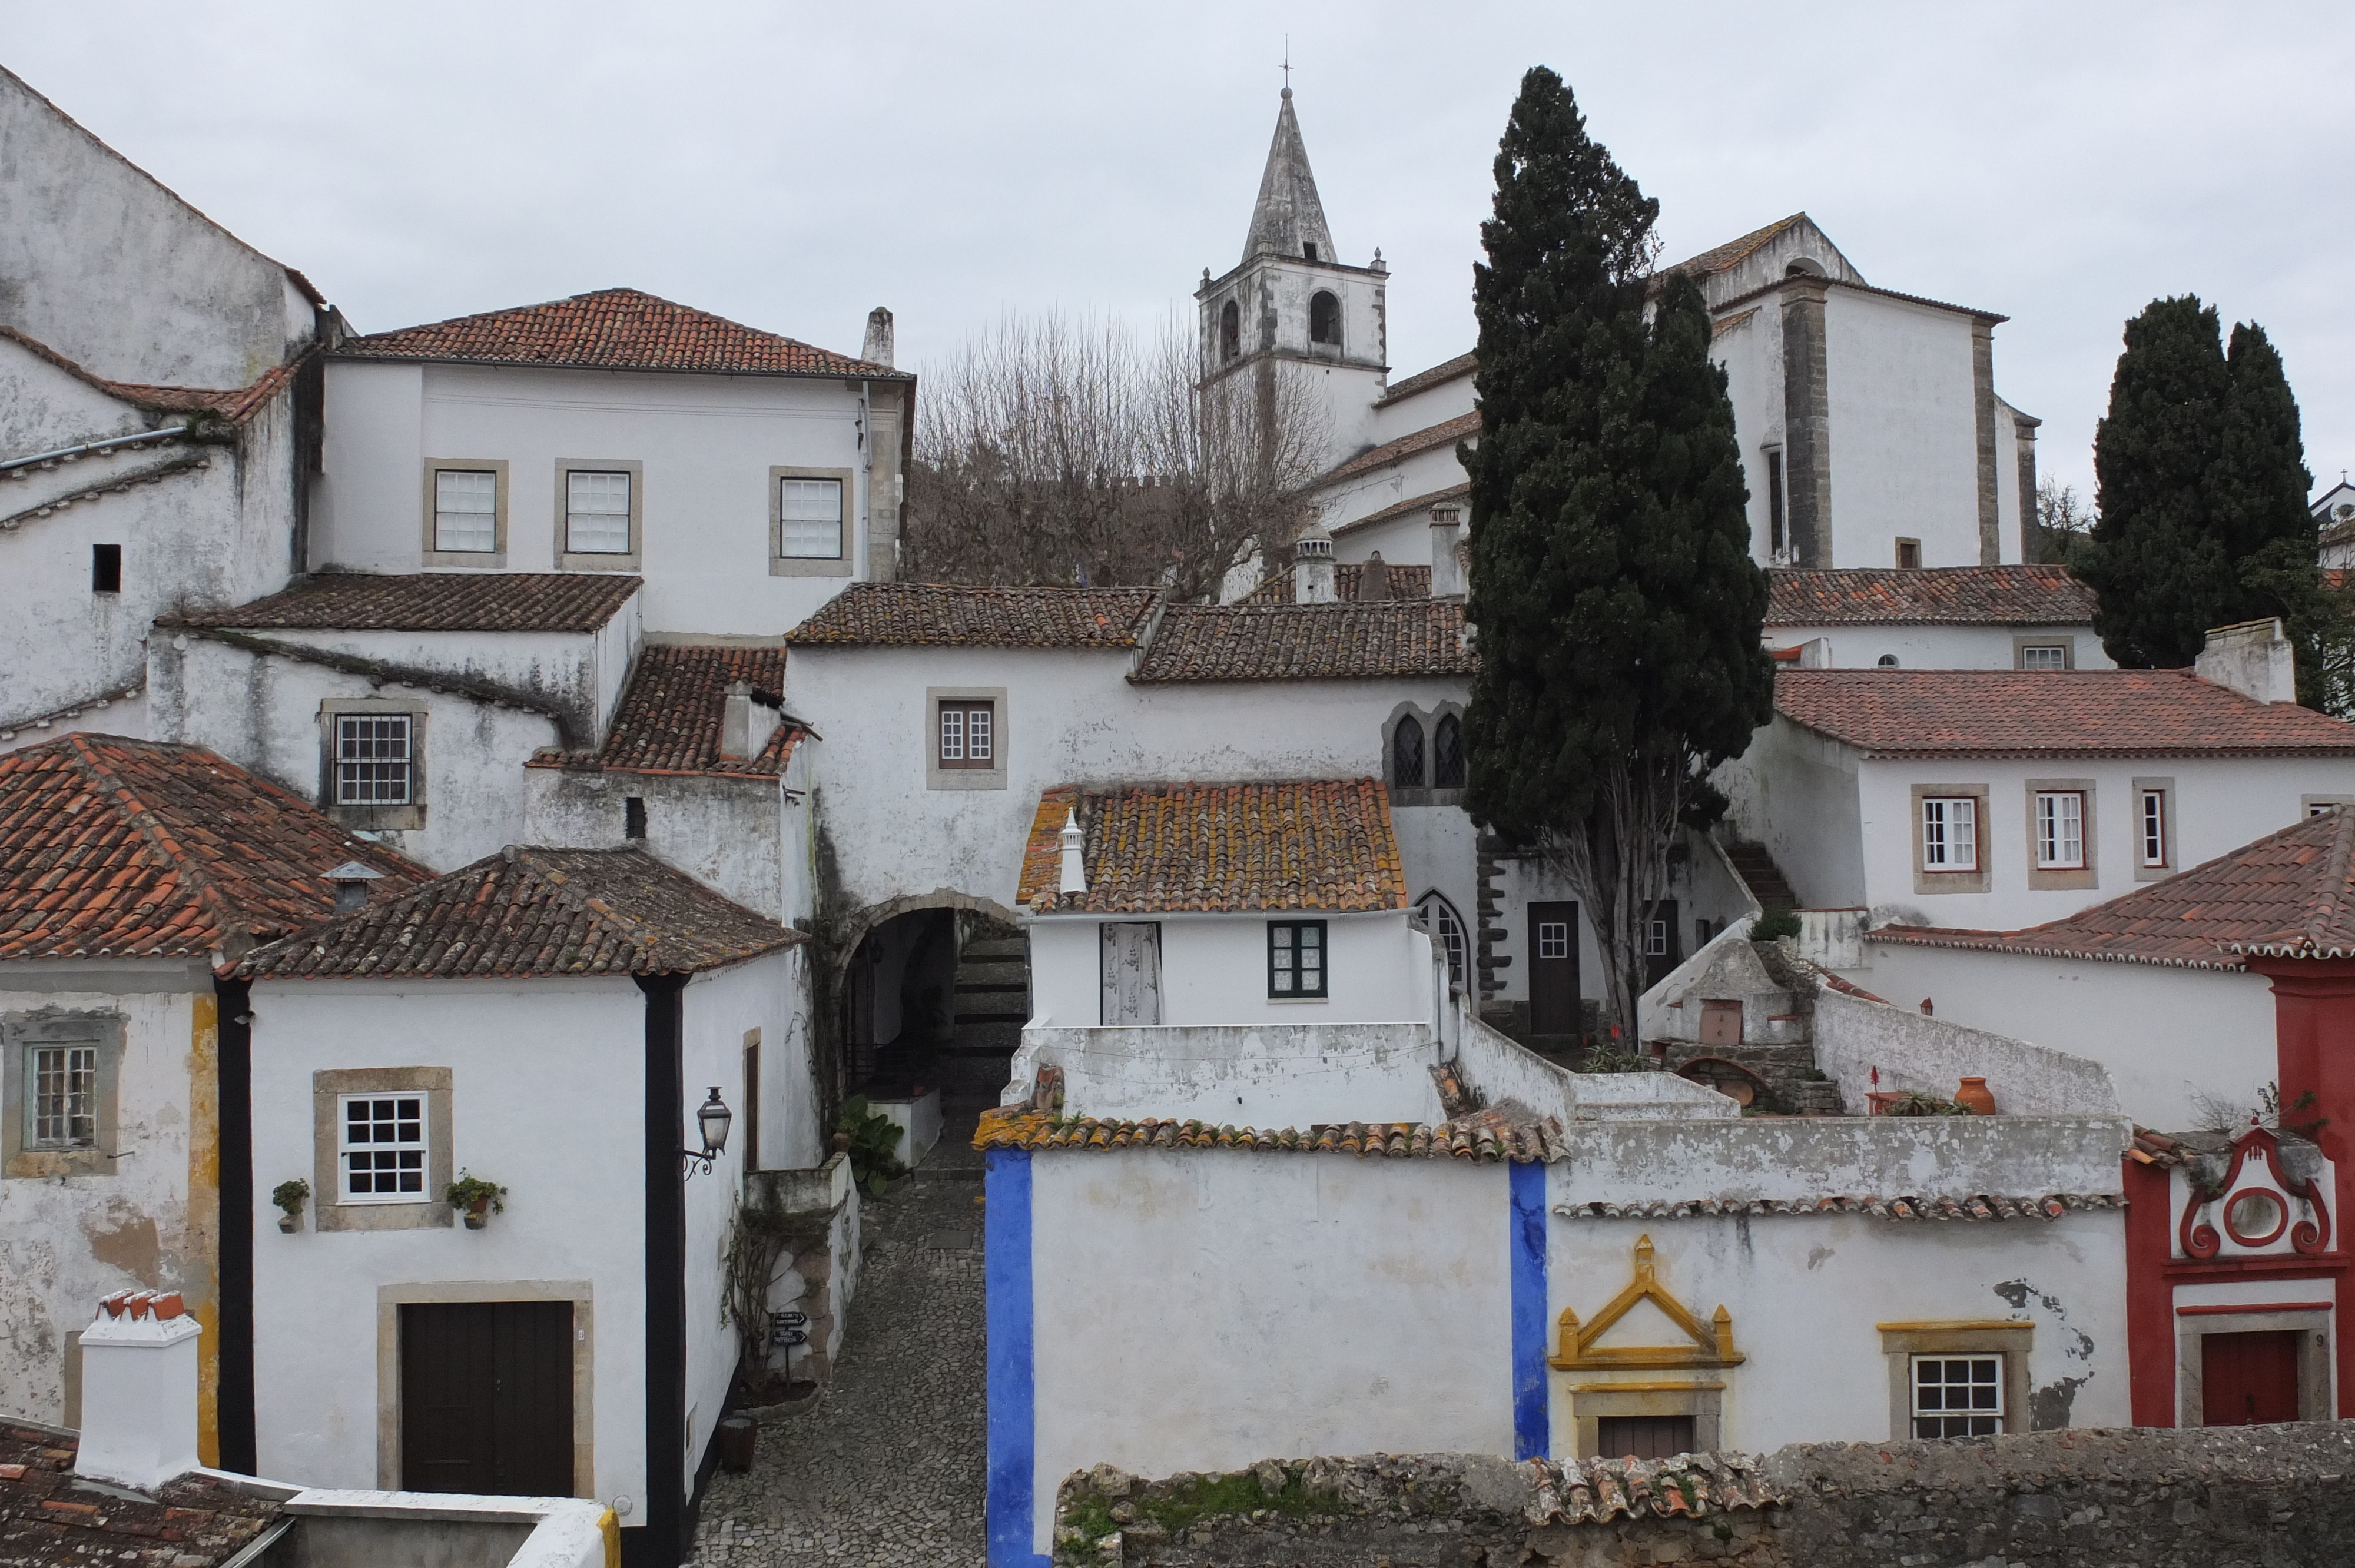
x=1656, y=939
x=374, y=760
x=2154, y=848
x=1950, y=832
x=596, y=514
x=2043, y=656
x=106, y=569
x=1957, y=1396
x=1295, y=959
x=465, y=510
x=382, y=1152
x=2060, y=830
x=1554, y=939
x=968, y=734
x=62, y=1109
x=1909, y=554
x=809, y=513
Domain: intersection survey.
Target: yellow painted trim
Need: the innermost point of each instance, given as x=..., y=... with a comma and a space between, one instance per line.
x=1659, y=1387
x=1712, y=1343
x=1956, y=1326
x=201, y=1251
x=611, y=1528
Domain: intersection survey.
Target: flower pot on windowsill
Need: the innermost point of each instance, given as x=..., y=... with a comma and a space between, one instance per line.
x=478, y=1214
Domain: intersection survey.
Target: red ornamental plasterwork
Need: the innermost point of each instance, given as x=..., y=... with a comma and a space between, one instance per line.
x=2307, y=1236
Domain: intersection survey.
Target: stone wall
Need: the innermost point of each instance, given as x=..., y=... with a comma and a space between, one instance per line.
x=2088, y=1499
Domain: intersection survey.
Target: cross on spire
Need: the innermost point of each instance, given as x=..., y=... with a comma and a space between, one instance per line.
x=1287, y=65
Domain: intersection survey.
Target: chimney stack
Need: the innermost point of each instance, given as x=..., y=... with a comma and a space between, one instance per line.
x=138, y=1391
x=1447, y=542
x=876, y=350
x=2253, y=658
x=1374, y=580
x=351, y=880
x=1311, y=568
x=1075, y=867
x=746, y=723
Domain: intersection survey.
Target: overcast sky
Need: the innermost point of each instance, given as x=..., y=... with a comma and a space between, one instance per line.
x=791, y=165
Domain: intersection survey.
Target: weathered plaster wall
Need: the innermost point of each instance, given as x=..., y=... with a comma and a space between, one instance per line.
x=1498, y=1068
x=1405, y=540
x=1939, y=647
x=1267, y=1074
x=1214, y=971
x=1797, y=794
x=1853, y=1037
x=738, y=834
x=1904, y=432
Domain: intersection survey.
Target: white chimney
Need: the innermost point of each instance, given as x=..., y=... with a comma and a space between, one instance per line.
x=1075, y=866
x=745, y=724
x=1446, y=540
x=138, y=1391
x=2253, y=658
x=876, y=350
x=1311, y=568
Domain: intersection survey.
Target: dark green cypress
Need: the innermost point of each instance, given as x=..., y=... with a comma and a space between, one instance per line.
x=1617, y=608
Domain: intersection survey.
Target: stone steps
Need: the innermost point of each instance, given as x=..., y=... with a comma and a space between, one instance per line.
x=1766, y=880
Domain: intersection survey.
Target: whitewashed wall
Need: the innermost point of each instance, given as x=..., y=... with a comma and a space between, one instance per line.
x=1904, y=432
x=1214, y=970
x=1855, y=1038
x=1747, y=346
x=1938, y=647
x=739, y=834
x=1405, y=540
x=1420, y=411
x=1271, y=1075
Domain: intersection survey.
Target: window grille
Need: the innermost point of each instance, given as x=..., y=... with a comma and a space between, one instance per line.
x=2154, y=827
x=1406, y=753
x=1447, y=754
x=968, y=734
x=809, y=512
x=465, y=510
x=373, y=759
x=597, y=514
x=384, y=1149
x=2061, y=830
x=65, y=1096
x=1295, y=957
x=1957, y=1396
x=1950, y=833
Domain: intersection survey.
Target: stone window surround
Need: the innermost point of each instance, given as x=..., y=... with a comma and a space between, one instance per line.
x=594, y=560
x=2021, y=644
x=1926, y=881
x=783, y=566
x=390, y=1299
x=2306, y=803
x=19, y=1032
x=2165, y=788
x=328, y=1089
x=2045, y=878
x=939, y=778
x=1590, y=1402
x=494, y=558
x=1421, y=795
x=2011, y=1339
x=376, y=819
x=2314, y=1377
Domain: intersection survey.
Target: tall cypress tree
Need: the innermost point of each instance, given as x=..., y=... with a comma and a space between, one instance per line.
x=2202, y=496
x=1618, y=609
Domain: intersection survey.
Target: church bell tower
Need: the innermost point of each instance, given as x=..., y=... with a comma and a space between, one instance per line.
x=1292, y=307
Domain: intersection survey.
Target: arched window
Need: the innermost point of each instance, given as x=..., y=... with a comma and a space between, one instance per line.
x=1406, y=753
x=1805, y=267
x=1447, y=754
x=1323, y=318
x=1889, y=661
x=1447, y=929
x=1231, y=331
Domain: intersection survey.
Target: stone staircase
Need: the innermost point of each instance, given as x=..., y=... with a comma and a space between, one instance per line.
x=992, y=1003
x=1765, y=878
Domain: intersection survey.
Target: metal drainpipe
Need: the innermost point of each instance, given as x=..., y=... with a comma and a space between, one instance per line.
x=865, y=455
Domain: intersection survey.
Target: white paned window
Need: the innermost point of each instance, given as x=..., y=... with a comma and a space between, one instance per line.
x=1950, y=833
x=1655, y=940
x=465, y=510
x=809, y=513
x=968, y=734
x=2043, y=657
x=64, y=1108
x=2060, y=830
x=373, y=759
x=1295, y=957
x=1957, y=1396
x=1554, y=939
x=382, y=1152
x=2154, y=827
x=597, y=514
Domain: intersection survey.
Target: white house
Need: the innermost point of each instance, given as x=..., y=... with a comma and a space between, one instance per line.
x=2334, y=514
x=1932, y=618
x=127, y=869
x=564, y=1024
x=746, y=477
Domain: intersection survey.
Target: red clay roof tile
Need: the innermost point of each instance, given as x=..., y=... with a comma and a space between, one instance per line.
x=45, y=1519
x=1936, y=596
x=1392, y=638
x=951, y=615
x=672, y=712
x=1406, y=582
x=433, y=601
x=1462, y=427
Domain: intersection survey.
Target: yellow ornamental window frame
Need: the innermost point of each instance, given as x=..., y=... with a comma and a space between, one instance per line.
x=1713, y=1342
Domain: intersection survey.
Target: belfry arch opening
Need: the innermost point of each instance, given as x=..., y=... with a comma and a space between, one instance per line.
x=1324, y=318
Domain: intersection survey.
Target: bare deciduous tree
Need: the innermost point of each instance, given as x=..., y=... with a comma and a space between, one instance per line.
x=2061, y=519
x=1055, y=452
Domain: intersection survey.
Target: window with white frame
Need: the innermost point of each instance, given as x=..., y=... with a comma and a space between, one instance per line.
x=2043, y=656
x=596, y=512
x=1656, y=939
x=2153, y=824
x=968, y=734
x=1957, y=1396
x=1554, y=939
x=375, y=759
x=465, y=510
x=2060, y=830
x=809, y=519
x=1950, y=832
x=1295, y=959
x=1447, y=930
x=382, y=1149
x=61, y=1107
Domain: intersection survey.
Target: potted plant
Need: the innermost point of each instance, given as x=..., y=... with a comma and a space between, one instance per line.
x=874, y=1140
x=477, y=1199
x=290, y=1197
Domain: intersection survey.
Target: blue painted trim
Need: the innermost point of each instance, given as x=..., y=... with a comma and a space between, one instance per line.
x=1532, y=1422
x=1013, y=1367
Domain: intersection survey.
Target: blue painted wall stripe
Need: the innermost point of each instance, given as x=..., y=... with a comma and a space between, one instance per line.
x=1532, y=1420
x=1013, y=1371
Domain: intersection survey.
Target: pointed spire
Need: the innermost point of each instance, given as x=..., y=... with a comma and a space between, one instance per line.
x=1289, y=218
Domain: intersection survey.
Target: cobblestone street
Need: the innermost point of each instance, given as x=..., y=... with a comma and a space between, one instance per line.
x=885, y=1466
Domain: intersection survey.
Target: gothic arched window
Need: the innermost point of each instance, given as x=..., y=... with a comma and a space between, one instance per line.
x=1406, y=753
x=1447, y=754
x=1323, y=318
x=1231, y=331
x=1447, y=929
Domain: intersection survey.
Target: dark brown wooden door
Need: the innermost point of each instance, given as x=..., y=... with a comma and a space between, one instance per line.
x=1661, y=950
x=1644, y=1436
x=2248, y=1380
x=487, y=1397
x=1553, y=969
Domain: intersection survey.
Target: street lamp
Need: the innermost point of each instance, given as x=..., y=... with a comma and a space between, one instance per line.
x=713, y=1120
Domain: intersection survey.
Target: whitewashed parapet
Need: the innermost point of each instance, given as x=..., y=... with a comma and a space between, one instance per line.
x=1854, y=1036
x=1656, y=1012
x=355, y=1527
x=1496, y=1067
x=1247, y=1075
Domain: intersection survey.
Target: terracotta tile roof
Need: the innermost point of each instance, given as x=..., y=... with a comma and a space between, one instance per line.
x=1323, y=844
x=2288, y=894
x=1406, y=582
x=611, y=328
x=1597, y=1492
x=116, y=848
x=1977, y=1207
x=672, y=712
x=1717, y=258
x=1408, y=507
x=951, y=615
x=234, y=404
x=527, y=912
x=1462, y=427
x=1935, y=596
x=2049, y=713
x=1013, y=1126
x=1439, y=375
x=1308, y=641
x=2149, y=1148
x=50, y=1519
x=433, y=601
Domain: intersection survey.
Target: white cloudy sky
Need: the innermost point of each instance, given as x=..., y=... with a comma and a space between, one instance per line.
x=792, y=165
